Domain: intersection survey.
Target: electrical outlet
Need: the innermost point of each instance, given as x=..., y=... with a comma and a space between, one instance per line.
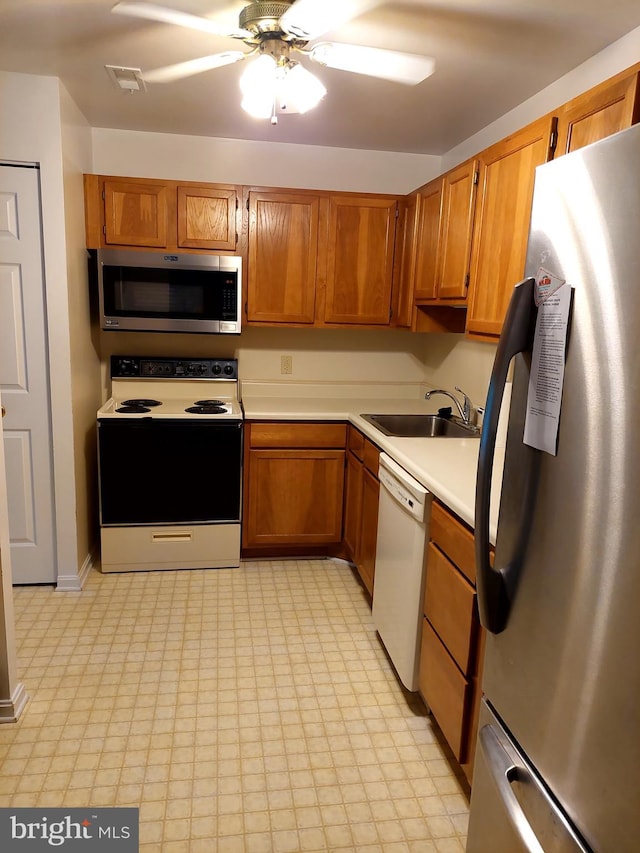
x=286, y=364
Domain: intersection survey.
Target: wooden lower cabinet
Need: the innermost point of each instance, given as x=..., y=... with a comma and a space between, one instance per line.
x=362, y=494
x=451, y=648
x=293, y=485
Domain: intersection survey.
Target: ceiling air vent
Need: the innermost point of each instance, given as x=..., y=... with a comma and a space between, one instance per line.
x=128, y=79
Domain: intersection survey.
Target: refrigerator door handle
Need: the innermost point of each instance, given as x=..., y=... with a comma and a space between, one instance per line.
x=493, y=602
x=504, y=771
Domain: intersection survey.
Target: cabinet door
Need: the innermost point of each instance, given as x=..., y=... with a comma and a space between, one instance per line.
x=353, y=506
x=136, y=213
x=369, y=530
x=454, y=256
x=359, y=259
x=294, y=497
x=501, y=223
x=283, y=247
x=207, y=217
x=427, y=238
x=404, y=269
x=612, y=106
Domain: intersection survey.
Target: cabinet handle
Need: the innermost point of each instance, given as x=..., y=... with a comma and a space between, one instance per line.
x=171, y=537
x=4, y=411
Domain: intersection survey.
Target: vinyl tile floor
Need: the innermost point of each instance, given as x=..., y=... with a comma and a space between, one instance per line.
x=248, y=710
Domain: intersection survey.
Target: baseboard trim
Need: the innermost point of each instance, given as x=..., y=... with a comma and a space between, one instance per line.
x=11, y=709
x=75, y=583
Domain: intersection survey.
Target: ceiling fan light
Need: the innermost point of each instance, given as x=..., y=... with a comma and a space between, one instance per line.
x=258, y=87
x=393, y=65
x=303, y=89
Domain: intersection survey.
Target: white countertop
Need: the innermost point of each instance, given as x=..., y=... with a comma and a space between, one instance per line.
x=445, y=466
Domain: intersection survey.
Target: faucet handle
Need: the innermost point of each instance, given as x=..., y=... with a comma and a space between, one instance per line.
x=470, y=414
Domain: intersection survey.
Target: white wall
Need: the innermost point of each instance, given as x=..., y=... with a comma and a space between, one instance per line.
x=236, y=161
x=31, y=131
x=616, y=57
x=86, y=389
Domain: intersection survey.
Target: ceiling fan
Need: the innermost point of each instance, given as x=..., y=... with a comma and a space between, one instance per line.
x=275, y=32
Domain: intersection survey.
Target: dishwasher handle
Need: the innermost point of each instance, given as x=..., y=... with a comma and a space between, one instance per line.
x=403, y=488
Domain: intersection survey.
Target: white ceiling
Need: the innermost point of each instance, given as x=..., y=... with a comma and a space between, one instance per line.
x=490, y=56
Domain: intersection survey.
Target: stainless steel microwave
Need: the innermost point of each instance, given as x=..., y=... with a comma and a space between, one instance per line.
x=158, y=292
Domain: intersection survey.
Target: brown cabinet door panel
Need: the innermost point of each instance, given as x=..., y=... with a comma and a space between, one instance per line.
x=136, y=213
x=353, y=506
x=450, y=607
x=294, y=497
x=359, y=262
x=428, y=239
x=604, y=110
x=445, y=690
x=297, y=434
x=501, y=225
x=283, y=247
x=454, y=539
x=454, y=254
x=206, y=217
x=369, y=531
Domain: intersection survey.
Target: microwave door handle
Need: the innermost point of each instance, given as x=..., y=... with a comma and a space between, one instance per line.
x=493, y=603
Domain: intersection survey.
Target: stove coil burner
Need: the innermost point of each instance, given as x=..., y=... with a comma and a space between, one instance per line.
x=133, y=410
x=208, y=403
x=137, y=406
x=200, y=409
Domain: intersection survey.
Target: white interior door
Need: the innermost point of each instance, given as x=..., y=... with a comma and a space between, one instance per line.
x=24, y=384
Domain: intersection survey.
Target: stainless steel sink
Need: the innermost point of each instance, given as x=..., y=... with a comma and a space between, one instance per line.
x=422, y=426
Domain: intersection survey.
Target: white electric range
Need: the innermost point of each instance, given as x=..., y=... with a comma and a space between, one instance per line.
x=170, y=464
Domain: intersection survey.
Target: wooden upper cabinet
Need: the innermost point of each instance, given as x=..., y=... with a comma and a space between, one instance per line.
x=501, y=222
x=283, y=248
x=612, y=106
x=405, y=263
x=156, y=214
x=136, y=213
x=358, y=259
x=458, y=206
x=206, y=217
x=427, y=240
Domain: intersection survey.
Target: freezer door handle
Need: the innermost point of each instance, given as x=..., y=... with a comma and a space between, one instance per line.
x=493, y=602
x=506, y=772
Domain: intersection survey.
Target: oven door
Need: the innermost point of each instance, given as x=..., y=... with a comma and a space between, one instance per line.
x=155, y=471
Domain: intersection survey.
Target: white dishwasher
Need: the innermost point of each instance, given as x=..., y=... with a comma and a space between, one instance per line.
x=403, y=528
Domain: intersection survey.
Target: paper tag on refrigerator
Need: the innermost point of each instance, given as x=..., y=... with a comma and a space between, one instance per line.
x=547, y=370
x=546, y=285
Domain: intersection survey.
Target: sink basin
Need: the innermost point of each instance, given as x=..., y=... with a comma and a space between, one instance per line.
x=421, y=426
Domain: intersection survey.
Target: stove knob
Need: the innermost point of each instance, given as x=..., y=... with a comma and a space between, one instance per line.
x=228, y=369
x=217, y=370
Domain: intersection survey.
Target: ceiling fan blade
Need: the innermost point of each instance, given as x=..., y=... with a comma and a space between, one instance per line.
x=152, y=12
x=193, y=66
x=308, y=19
x=408, y=68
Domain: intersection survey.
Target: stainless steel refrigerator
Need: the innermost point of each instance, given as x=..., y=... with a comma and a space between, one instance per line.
x=558, y=754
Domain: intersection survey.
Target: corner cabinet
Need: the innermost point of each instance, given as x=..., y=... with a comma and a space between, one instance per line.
x=452, y=640
x=362, y=496
x=154, y=214
x=606, y=109
x=501, y=222
x=293, y=485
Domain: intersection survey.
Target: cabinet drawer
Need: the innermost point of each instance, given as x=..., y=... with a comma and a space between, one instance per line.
x=445, y=690
x=355, y=442
x=371, y=456
x=456, y=540
x=449, y=604
x=297, y=434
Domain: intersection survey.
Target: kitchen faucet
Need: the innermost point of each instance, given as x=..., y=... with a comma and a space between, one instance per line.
x=467, y=412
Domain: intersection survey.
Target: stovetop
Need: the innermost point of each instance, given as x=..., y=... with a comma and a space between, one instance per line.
x=173, y=388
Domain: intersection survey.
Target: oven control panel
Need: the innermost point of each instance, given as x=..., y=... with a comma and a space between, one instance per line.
x=173, y=368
